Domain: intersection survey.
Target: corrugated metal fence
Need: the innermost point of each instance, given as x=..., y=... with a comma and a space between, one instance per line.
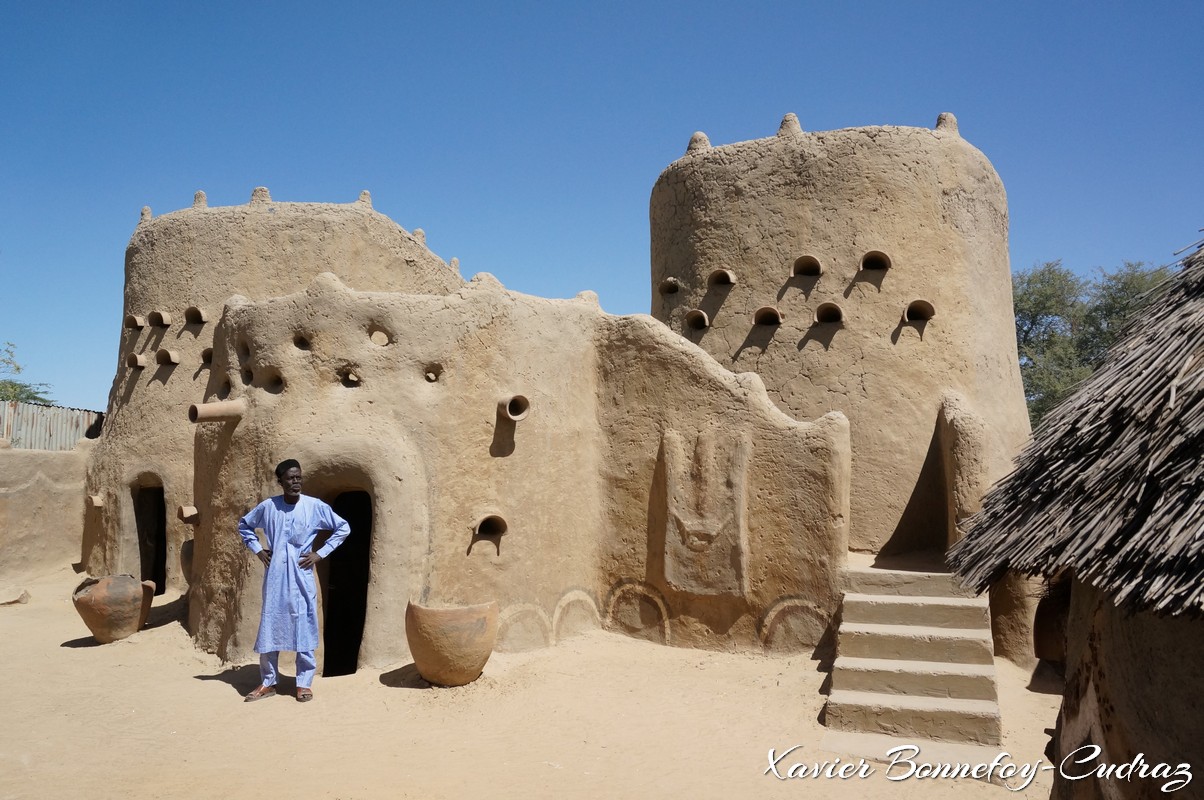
x=37, y=427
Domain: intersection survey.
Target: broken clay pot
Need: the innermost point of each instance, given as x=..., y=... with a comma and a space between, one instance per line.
x=113, y=607
x=451, y=645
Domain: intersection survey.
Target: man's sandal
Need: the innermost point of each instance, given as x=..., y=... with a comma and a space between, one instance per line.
x=258, y=693
x=304, y=695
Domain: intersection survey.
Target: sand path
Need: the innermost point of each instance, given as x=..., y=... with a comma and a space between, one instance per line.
x=598, y=716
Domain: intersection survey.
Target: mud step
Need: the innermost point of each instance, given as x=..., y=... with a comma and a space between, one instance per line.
x=940, y=718
x=915, y=643
x=920, y=678
x=939, y=612
x=871, y=580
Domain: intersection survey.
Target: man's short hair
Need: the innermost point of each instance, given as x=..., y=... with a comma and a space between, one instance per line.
x=285, y=465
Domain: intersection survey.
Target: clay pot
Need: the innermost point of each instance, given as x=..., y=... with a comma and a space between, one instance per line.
x=451, y=645
x=113, y=607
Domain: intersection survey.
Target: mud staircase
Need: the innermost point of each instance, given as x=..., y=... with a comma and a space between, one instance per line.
x=914, y=657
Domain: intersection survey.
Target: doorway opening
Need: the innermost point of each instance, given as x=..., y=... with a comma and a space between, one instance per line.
x=150, y=521
x=344, y=577
x=923, y=529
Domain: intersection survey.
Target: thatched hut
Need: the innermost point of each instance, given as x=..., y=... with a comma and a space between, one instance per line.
x=1109, y=496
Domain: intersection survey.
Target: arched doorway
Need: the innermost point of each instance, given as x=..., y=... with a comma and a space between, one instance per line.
x=344, y=579
x=150, y=522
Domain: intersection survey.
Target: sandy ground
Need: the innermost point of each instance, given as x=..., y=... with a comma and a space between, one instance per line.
x=598, y=716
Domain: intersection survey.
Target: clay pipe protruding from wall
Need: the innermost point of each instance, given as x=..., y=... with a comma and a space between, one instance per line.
x=159, y=319
x=489, y=525
x=135, y=321
x=135, y=361
x=514, y=408
x=919, y=311
x=875, y=260
x=697, y=319
x=828, y=313
x=165, y=356
x=721, y=277
x=669, y=286
x=188, y=514
x=195, y=316
x=95, y=501
x=807, y=266
x=767, y=315
x=218, y=411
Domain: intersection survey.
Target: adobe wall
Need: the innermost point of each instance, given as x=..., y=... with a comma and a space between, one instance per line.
x=861, y=223
x=41, y=509
x=728, y=520
x=179, y=270
x=1131, y=687
x=398, y=395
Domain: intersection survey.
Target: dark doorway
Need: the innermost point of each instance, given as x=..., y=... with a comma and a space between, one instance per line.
x=344, y=579
x=925, y=522
x=150, y=519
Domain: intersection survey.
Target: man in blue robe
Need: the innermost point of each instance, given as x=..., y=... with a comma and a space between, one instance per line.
x=290, y=522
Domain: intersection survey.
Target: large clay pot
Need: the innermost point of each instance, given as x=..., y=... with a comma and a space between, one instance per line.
x=451, y=645
x=113, y=607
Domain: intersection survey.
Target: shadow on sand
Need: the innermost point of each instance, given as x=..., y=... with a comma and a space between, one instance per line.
x=1046, y=679
x=406, y=677
x=245, y=678
x=172, y=611
x=83, y=641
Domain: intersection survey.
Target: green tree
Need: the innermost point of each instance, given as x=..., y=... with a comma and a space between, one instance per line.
x=1116, y=296
x=13, y=389
x=1065, y=324
x=1050, y=303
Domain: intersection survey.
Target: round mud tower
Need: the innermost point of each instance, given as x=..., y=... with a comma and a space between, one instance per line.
x=450, y=646
x=113, y=607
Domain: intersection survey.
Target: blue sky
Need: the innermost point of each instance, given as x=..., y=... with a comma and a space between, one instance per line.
x=525, y=138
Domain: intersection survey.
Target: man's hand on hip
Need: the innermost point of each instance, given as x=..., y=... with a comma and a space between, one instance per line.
x=310, y=560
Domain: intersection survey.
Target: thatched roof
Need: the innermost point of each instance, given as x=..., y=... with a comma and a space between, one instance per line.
x=1111, y=485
